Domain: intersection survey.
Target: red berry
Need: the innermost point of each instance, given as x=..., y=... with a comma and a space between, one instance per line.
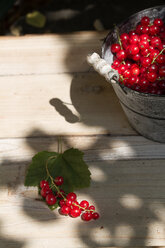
x=151, y=76
x=59, y=181
x=68, y=202
x=135, y=71
x=133, y=49
x=124, y=37
x=136, y=57
x=144, y=37
x=162, y=84
x=153, y=68
x=144, y=83
x=156, y=42
x=145, y=61
x=71, y=196
x=45, y=191
x=91, y=207
x=51, y=199
x=139, y=29
x=44, y=183
x=158, y=22
x=143, y=44
x=121, y=54
x=87, y=216
x=134, y=39
x=154, y=53
x=84, y=204
x=65, y=210
x=95, y=216
x=145, y=21
x=116, y=63
x=75, y=212
x=115, y=48
x=122, y=68
x=160, y=59
x=132, y=80
x=60, y=195
x=145, y=52
x=154, y=29
x=127, y=73
x=162, y=71
x=145, y=30
x=62, y=202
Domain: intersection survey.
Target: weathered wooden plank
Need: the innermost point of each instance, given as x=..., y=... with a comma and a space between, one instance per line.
x=48, y=54
x=128, y=194
x=96, y=148
x=77, y=104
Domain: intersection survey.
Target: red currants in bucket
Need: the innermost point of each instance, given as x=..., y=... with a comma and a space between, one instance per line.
x=139, y=57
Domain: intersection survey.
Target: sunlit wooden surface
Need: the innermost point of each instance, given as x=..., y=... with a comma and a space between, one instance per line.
x=48, y=89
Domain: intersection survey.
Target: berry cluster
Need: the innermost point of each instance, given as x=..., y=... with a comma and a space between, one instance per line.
x=67, y=202
x=139, y=57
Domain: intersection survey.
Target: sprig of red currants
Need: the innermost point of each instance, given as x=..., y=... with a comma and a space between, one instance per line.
x=139, y=57
x=67, y=202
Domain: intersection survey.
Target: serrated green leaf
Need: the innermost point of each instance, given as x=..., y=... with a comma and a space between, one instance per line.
x=37, y=169
x=36, y=19
x=70, y=165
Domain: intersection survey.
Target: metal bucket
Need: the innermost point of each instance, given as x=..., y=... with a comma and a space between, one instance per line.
x=145, y=112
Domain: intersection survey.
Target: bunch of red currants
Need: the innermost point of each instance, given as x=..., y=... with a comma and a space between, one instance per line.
x=139, y=57
x=68, y=202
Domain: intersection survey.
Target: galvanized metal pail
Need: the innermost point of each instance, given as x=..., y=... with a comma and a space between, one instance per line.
x=145, y=112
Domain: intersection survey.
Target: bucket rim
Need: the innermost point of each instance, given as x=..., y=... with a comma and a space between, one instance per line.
x=124, y=88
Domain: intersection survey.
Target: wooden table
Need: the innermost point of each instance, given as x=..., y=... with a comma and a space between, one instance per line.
x=47, y=90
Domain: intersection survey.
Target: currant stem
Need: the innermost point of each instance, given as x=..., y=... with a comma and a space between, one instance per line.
x=157, y=56
x=51, y=178
x=119, y=40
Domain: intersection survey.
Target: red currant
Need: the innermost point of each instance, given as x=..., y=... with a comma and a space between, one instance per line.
x=84, y=204
x=44, y=183
x=121, y=54
x=87, y=216
x=154, y=30
x=145, y=21
x=75, y=212
x=51, y=199
x=115, y=48
x=62, y=202
x=59, y=181
x=65, y=210
x=162, y=71
x=71, y=196
x=95, y=216
x=91, y=207
x=45, y=191
x=158, y=22
x=151, y=76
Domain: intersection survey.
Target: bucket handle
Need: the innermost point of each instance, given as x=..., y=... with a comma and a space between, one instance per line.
x=103, y=68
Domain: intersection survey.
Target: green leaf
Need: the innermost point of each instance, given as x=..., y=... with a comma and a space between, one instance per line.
x=37, y=169
x=70, y=165
x=36, y=19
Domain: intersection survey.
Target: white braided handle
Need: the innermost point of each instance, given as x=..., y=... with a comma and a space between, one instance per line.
x=103, y=68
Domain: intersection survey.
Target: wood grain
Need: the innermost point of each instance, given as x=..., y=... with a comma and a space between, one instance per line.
x=96, y=148
x=43, y=95
x=77, y=104
x=128, y=194
x=48, y=54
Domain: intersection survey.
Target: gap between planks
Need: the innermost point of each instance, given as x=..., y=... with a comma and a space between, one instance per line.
x=96, y=148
